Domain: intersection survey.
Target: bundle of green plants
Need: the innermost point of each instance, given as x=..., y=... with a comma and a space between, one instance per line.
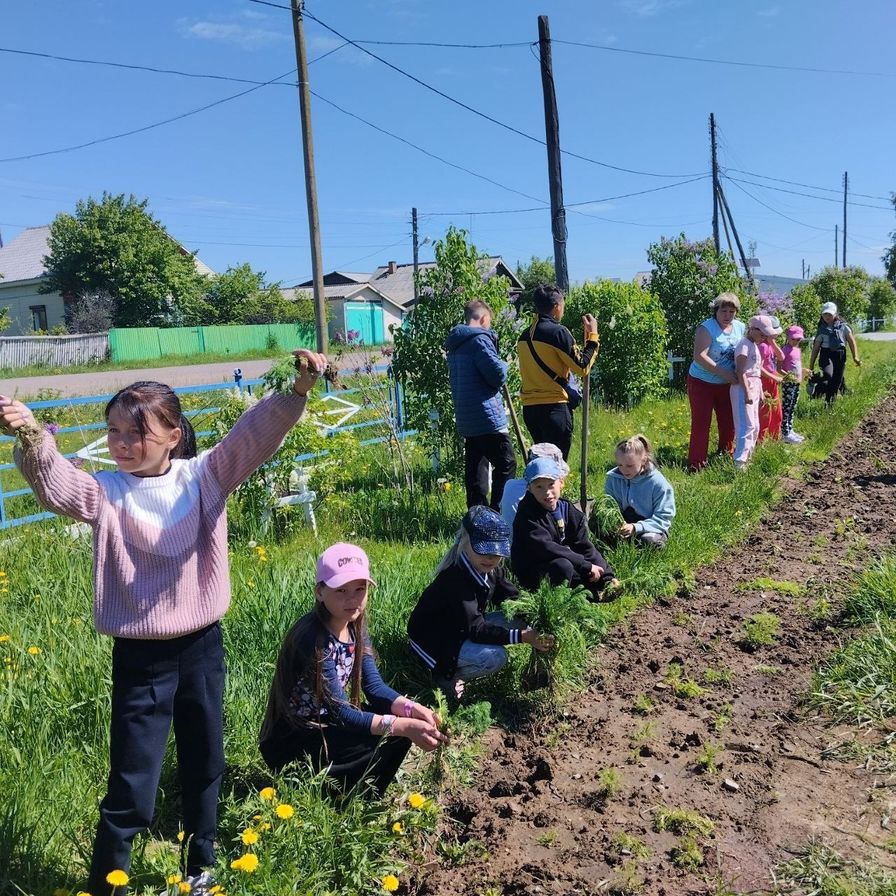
x=576, y=625
x=605, y=519
x=875, y=593
x=453, y=763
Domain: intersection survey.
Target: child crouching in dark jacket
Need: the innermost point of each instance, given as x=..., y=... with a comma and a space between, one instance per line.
x=550, y=537
x=449, y=629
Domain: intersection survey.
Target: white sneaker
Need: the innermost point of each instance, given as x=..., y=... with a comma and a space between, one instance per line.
x=200, y=884
x=798, y=437
x=792, y=439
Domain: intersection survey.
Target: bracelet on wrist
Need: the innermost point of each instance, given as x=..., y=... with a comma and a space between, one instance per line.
x=408, y=708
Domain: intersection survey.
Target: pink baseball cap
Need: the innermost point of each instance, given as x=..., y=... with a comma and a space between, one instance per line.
x=795, y=332
x=342, y=563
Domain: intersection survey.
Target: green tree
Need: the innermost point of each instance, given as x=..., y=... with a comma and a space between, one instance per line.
x=889, y=256
x=229, y=295
x=115, y=245
x=419, y=358
x=538, y=272
x=686, y=277
x=806, y=307
x=848, y=288
x=882, y=302
x=631, y=364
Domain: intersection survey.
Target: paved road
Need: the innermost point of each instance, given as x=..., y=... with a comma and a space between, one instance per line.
x=107, y=381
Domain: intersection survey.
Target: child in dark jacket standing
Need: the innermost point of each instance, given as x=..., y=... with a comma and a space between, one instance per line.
x=643, y=494
x=325, y=665
x=449, y=629
x=550, y=537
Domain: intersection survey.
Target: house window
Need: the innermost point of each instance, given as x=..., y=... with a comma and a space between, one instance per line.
x=38, y=317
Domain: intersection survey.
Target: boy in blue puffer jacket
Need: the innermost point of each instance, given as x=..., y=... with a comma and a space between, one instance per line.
x=477, y=374
x=643, y=494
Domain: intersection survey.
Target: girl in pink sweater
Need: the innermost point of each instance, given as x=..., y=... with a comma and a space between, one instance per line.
x=161, y=585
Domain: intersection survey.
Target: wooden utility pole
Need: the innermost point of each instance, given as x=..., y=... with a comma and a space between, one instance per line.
x=552, y=137
x=715, y=181
x=740, y=248
x=845, y=191
x=317, y=268
x=804, y=269
x=416, y=250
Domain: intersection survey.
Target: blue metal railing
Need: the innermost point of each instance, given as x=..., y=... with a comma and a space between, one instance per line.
x=395, y=400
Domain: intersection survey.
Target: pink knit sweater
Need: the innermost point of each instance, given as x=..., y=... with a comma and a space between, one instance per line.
x=160, y=567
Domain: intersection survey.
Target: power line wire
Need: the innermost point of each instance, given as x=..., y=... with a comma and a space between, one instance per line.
x=794, y=183
x=771, y=209
x=469, y=108
x=768, y=65
x=569, y=205
x=807, y=195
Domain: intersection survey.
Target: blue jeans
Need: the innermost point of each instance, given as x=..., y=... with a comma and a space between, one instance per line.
x=478, y=660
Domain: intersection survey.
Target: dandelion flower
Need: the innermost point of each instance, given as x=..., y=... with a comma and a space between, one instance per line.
x=247, y=862
x=285, y=811
x=173, y=879
x=184, y=887
x=217, y=888
x=117, y=878
x=416, y=800
x=267, y=793
x=180, y=836
x=3, y=640
x=249, y=837
x=264, y=826
x=34, y=651
x=390, y=883
x=397, y=828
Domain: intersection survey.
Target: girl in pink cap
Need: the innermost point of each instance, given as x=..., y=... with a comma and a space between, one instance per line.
x=792, y=368
x=325, y=667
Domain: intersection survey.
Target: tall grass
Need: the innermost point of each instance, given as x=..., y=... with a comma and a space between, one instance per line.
x=54, y=702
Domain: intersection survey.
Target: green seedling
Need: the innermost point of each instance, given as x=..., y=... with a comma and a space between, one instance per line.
x=794, y=589
x=609, y=783
x=681, y=821
x=761, y=629
x=623, y=844
x=687, y=854
x=722, y=675
x=682, y=687
x=643, y=705
x=722, y=719
x=706, y=761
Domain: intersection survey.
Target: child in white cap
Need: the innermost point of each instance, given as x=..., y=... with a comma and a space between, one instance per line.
x=832, y=337
x=325, y=669
x=550, y=537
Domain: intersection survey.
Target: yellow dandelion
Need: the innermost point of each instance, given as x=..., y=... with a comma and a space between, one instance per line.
x=2, y=574
x=256, y=818
x=285, y=811
x=3, y=640
x=217, y=888
x=251, y=583
x=180, y=836
x=264, y=826
x=173, y=879
x=397, y=828
x=117, y=878
x=83, y=893
x=184, y=887
x=267, y=793
x=247, y=862
x=416, y=800
x=249, y=837
x=390, y=883
x=34, y=651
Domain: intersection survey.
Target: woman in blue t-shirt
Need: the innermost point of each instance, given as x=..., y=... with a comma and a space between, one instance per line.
x=710, y=376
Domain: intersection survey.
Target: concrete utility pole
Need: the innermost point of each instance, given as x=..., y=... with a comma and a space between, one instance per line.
x=845, y=190
x=552, y=137
x=317, y=268
x=715, y=181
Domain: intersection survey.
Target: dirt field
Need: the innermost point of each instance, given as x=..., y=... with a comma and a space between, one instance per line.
x=537, y=806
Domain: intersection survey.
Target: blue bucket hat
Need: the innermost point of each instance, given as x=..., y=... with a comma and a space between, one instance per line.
x=488, y=531
x=542, y=468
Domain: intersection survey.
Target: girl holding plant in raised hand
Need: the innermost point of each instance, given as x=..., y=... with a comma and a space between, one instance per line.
x=325, y=666
x=161, y=586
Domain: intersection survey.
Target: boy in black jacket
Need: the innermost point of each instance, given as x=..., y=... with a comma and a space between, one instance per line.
x=550, y=537
x=448, y=629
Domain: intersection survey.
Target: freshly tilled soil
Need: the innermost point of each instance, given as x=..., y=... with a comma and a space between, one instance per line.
x=545, y=819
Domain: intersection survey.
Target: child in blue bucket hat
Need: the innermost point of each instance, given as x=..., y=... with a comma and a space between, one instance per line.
x=449, y=630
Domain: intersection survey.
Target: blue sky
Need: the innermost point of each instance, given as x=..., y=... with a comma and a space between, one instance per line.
x=228, y=181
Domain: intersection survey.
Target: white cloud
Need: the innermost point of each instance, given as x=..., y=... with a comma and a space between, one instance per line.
x=246, y=37
x=646, y=8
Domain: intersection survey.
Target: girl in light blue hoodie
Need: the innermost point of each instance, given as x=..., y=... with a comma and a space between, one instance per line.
x=643, y=494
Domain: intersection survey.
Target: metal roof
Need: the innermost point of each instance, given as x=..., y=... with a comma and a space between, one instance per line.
x=23, y=257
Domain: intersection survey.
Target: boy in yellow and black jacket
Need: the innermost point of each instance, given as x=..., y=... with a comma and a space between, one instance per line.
x=548, y=354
